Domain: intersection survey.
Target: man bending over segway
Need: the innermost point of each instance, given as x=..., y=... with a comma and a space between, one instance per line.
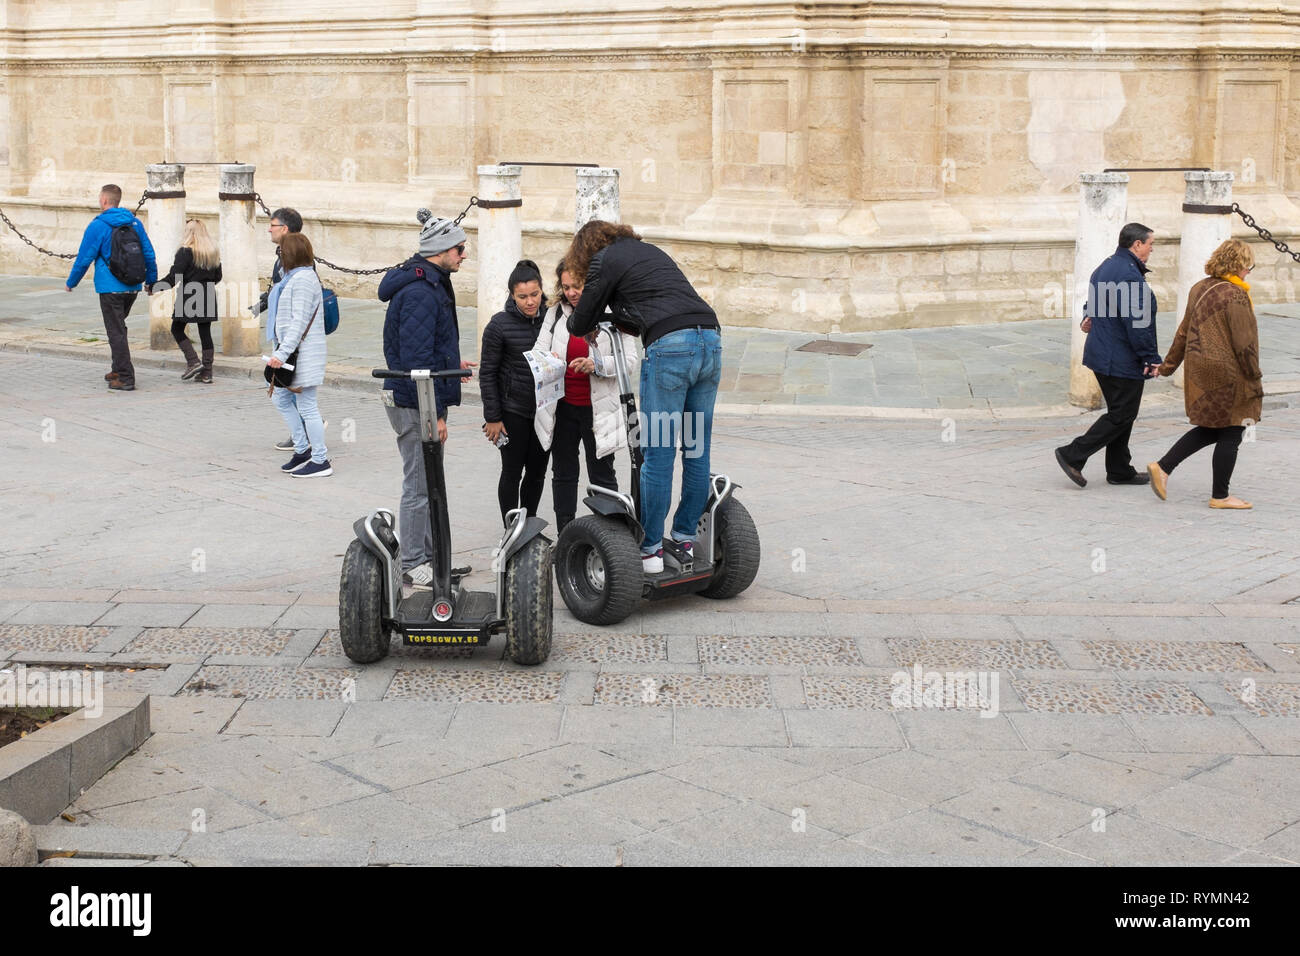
x=650, y=297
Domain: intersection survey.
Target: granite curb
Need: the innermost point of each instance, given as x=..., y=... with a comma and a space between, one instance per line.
x=358, y=379
x=43, y=773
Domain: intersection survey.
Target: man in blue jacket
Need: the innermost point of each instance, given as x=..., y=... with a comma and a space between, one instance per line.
x=421, y=331
x=1120, y=319
x=115, y=296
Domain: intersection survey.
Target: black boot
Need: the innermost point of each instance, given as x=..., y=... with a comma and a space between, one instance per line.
x=192, y=366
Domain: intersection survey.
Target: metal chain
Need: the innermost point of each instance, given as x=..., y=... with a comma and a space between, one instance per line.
x=257, y=197
x=41, y=249
x=59, y=255
x=1264, y=233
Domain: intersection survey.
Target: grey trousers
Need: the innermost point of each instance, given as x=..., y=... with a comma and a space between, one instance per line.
x=116, y=306
x=413, y=519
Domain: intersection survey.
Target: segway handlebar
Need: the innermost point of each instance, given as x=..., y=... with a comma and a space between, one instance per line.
x=418, y=373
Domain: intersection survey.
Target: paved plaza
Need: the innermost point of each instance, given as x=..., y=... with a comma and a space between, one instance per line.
x=1146, y=706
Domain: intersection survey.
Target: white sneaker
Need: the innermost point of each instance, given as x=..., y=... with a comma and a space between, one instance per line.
x=419, y=577
x=653, y=563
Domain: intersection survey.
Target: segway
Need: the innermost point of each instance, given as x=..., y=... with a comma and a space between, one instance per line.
x=598, y=557
x=371, y=606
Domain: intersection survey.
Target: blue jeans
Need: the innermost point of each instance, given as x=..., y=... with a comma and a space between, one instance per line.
x=679, y=384
x=303, y=417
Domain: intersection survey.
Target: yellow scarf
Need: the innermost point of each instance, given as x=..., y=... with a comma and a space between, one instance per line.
x=1240, y=283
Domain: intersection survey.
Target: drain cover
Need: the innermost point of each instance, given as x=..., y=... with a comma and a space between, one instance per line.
x=834, y=348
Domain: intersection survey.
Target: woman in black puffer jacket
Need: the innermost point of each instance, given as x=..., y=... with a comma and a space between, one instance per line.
x=509, y=398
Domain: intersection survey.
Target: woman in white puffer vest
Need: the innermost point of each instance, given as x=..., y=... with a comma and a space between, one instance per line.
x=590, y=412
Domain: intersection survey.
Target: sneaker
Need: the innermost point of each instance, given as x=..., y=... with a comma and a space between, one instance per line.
x=286, y=445
x=191, y=371
x=653, y=563
x=118, y=385
x=313, y=470
x=419, y=577
x=299, y=459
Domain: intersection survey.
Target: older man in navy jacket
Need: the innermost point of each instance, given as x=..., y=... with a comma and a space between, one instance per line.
x=421, y=331
x=1120, y=319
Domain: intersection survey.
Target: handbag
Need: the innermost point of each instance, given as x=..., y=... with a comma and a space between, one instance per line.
x=283, y=377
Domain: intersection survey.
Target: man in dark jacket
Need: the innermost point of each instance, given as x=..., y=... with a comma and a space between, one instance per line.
x=421, y=331
x=650, y=297
x=1120, y=319
x=283, y=222
x=115, y=296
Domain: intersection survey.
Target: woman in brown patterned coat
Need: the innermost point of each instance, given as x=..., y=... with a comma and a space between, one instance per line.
x=1223, y=386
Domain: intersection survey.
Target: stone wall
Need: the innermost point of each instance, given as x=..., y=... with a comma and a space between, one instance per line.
x=817, y=166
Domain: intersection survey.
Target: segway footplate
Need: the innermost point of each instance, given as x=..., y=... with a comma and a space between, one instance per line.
x=473, y=623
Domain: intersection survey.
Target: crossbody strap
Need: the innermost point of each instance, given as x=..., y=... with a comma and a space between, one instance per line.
x=308, y=329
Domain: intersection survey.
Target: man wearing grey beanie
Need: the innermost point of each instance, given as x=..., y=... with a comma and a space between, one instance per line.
x=421, y=331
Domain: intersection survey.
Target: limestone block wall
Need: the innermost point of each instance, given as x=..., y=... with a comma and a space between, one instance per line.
x=819, y=167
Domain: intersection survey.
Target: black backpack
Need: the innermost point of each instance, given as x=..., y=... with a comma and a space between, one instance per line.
x=126, y=255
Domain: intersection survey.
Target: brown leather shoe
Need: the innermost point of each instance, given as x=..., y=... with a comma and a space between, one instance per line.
x=1158, y=479
x=118, y=386
x=110, y=376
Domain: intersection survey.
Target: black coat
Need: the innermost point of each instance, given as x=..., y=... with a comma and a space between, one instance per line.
x=645, y=290
x=505, y=380
x=196, y=288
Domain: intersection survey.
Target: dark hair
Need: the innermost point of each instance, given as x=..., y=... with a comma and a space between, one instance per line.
x=288, y=217
x=591, y=238
x=1133, y=232
x=525, y=271
x=112, y=192
x=295, y=251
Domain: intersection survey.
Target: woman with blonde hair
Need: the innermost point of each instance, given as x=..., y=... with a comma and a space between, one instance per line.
x=1223, y=386
x=194, y=274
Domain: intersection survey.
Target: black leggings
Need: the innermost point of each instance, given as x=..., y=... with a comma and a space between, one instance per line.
x=523, y=456
x=205, y=333
x=1225, y=442
x=573, y=426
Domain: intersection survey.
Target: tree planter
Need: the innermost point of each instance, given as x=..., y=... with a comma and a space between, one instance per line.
x=44, y=772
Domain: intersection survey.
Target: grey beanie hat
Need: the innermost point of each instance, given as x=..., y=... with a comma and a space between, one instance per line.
x=437, y=235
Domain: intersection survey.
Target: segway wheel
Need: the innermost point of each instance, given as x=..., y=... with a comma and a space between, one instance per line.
x=361, y=597
x=529, y=604
x=736, y=552
x=598, y=567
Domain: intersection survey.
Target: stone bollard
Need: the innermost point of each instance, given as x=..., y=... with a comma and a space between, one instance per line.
x=500, y=238
x=1202, y=234
x=597, y=195
x=17, y=848
x=1103, y=205
x=240, y=331
x=166, y=224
